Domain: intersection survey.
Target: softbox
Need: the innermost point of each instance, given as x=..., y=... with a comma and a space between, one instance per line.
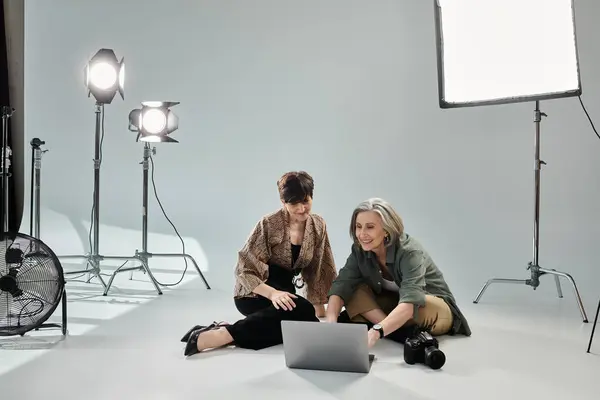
x=505, y=51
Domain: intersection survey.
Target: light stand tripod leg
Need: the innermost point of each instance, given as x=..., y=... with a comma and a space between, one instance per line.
x=558, y=288
x=497, y=280
x=195, y=266
x=182, y=255
x=536, y=270
x=145, y=256
x=594, y=327
x=94, y=271
x=558, y=274
x=122, y=268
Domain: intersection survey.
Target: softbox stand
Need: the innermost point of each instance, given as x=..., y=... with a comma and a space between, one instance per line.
x=94, y=258
x=534, y=267
x=144, y=255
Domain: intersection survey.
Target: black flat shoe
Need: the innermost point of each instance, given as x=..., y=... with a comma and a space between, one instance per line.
x=215, y=324
x=191, y=347
x=186, y=337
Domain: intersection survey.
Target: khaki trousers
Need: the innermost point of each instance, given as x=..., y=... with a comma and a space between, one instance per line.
x=435, y=314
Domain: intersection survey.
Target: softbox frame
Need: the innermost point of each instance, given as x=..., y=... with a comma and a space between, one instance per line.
x=505, y=51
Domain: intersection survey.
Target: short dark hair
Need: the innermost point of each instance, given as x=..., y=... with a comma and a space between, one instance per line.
x=295, y=187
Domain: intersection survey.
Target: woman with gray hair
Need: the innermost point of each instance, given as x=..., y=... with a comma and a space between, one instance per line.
x=390, y=282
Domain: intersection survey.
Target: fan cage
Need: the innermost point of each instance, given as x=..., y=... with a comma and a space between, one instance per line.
x=31, y=284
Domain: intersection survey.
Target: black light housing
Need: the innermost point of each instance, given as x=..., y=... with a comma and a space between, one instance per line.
x=154, y=121
x=104, y=76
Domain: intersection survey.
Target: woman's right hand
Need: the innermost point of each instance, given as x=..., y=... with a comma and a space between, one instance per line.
x=283, y=300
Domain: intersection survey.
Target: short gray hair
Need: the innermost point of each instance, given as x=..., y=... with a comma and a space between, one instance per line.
x=392, y=222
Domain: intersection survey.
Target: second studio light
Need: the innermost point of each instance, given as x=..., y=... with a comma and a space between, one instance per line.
x=155, y=121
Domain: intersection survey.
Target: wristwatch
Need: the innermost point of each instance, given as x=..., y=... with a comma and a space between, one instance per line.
x=379, y=329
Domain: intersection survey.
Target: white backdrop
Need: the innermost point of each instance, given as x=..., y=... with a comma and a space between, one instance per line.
x=346, y=90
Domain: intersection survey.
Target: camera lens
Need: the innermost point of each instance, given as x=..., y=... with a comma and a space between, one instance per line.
x=434, y=358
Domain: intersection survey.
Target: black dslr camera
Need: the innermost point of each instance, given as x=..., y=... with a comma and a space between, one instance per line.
x=424, y=348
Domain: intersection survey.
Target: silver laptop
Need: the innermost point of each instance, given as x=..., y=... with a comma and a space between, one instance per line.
x=325, y=346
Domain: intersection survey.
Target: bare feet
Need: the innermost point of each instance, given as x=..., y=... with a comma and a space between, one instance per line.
x=213, y=339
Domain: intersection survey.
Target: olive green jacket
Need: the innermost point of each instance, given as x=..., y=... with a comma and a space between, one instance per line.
x=413, y=270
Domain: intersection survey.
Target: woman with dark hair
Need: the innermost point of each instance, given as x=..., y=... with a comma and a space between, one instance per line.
x=288, y=249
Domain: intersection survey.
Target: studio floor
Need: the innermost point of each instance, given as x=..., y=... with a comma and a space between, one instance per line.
x=126, y=346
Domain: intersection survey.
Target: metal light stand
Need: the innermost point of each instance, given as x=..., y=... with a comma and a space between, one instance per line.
x=144, y=255
x=594, y=327
x=94, y=257
x=34, y=219
x=536, y=270
x=36, y=166
x=7, y=112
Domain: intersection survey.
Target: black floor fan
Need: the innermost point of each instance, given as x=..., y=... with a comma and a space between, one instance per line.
x=32, y=283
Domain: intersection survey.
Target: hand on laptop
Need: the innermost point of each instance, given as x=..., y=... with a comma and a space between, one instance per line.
x=283, y=300
x=372, y=337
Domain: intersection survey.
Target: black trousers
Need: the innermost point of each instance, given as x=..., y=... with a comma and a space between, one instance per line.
x=262, y=326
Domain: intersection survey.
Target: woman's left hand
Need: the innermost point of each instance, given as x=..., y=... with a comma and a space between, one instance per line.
x=372, y=337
